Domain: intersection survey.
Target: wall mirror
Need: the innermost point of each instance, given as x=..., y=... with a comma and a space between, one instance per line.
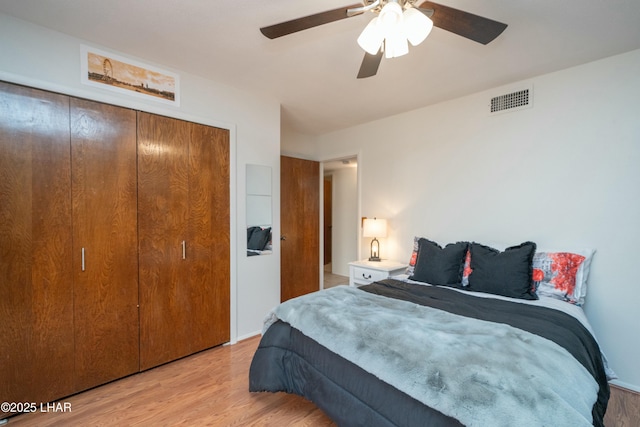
x=259, y=222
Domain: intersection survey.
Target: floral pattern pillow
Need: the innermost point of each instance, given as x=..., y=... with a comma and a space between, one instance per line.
x=414, y=256
x=466, y=270
x=562, y=275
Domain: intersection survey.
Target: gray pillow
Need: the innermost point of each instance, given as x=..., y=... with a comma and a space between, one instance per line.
x=439, y=266
x=508, y=273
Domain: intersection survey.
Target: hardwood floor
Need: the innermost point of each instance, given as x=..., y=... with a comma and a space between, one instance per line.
x=623, y=409
x=209, y=388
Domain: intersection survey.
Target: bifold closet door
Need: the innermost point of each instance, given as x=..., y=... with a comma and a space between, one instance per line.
x=105, y=244
x=163, y=195
x=183, y=214
x=36, y=292
x=209, y=254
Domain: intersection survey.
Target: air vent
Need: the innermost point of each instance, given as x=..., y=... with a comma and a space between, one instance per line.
x=513, y=101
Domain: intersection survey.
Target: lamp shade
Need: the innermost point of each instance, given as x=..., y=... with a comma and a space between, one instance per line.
x=371, y=37
x=417, y=26
x=395, y=45
x=374, y=227
x=391, y=17
x=391, y=20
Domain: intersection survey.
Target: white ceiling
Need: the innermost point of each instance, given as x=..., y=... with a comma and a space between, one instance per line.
x=313, y=73
x=338, y=164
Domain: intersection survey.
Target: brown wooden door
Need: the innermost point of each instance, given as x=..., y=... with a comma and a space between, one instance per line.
x=104, y=194
x=328, y=218
x=300, y=223
x=163, y=195
x=209, y=254
x=183, y=214
x=36, y=293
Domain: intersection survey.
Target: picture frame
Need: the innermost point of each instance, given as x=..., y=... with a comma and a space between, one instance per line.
x=116, y=73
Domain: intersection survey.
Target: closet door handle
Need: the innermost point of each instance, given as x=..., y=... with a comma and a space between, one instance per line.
x=184, y=250
x=82, y=259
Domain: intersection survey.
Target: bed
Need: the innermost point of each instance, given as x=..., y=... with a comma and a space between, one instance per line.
x=442, y=351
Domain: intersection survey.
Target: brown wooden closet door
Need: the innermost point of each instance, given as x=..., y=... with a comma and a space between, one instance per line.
x=183, y=196
x=163, y=217
x=208, y=253
x=36, y=293
x=300, y=222
x=104, y=194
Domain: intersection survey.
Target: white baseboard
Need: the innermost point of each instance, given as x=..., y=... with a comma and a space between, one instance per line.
x=249, y=335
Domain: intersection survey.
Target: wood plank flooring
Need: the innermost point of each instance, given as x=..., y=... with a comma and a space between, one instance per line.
x=623, y=409
x=209, y=388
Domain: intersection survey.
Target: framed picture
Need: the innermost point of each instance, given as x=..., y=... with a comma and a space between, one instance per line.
x=113, y=72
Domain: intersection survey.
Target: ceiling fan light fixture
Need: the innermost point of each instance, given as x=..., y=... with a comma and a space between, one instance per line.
x=417, y=26
x=397, y=17
x=371, y=37
x=393, y=29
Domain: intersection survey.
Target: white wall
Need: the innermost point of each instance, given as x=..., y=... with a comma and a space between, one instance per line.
x=38, y=57
x=296, y=144
x=565, y=174
x=344, y=233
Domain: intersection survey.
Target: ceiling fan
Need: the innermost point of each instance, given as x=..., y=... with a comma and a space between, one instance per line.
x=397, y=22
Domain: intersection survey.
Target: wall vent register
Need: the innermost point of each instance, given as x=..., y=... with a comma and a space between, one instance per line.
x=512, y=101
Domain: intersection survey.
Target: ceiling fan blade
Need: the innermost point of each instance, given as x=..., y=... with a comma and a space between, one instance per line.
x=370, y=64
x=295, y=25
x=465, y=24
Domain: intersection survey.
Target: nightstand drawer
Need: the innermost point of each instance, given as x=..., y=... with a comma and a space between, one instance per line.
x=365, y=272
x=367, y=275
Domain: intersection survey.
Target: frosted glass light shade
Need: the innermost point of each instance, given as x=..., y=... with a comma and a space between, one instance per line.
x=417, y=26
x=371, y=37
x=391, y=17
x=396, y=45
x=374, y=227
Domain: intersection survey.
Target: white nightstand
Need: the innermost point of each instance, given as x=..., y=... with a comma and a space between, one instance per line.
x=365, y=272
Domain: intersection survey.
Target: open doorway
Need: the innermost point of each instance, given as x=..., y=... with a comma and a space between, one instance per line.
x=340, y=219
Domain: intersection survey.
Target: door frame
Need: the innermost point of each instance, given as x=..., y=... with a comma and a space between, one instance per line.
x=349, y=155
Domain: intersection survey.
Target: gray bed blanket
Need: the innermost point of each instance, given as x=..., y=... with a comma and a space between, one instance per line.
x=481, y=373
